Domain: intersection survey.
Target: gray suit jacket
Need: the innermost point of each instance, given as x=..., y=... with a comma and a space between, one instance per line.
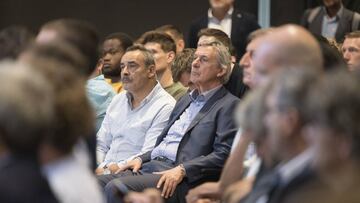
x=345, y=23
x=207, y=142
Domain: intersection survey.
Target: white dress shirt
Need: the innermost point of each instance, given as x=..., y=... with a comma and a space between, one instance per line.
x=224, y=24
x=127, y=132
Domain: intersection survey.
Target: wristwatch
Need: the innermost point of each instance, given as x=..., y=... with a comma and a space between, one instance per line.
x=183, y=170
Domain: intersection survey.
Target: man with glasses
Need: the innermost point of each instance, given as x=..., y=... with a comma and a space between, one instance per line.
x=135, y=117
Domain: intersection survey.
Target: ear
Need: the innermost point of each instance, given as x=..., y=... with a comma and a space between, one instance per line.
x=151, y=71
x=170, y=56
x=181, y=44
x=221, y=73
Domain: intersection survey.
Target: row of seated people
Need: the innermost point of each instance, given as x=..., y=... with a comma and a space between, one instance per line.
x=192, y=138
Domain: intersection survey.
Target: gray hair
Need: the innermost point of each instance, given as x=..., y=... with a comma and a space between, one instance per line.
x=223, y=57
x=148, y=56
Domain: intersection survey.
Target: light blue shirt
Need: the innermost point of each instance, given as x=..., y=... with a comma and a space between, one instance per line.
x=100, y=94
x=330, y=25
x=169, y=146
x=127, y=132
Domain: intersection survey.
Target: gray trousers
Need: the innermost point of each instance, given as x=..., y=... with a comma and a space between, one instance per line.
x=116, y=185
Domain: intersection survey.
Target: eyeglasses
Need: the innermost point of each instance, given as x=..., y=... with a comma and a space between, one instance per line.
x=131, y=66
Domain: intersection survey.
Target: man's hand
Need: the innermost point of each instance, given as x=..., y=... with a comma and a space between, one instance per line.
x=113, y=168
x=209, y=190
x=169, y=180
x=99, y=171
x=134, y=164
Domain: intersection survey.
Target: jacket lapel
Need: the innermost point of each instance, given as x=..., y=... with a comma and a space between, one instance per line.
x=207, y=107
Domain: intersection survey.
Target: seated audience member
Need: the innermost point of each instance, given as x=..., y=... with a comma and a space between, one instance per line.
x=196, y=142
x=301, y=49
x=332, y=20
x=181, y=68
x=113, y=48
x=83, y=37
x=351, y=50
x=13, y=40
x=333, y=131
x=136, y=117
x=214, y=190
x=235, y=84
x=26, y=109
x=284, y=121
x=223, y=16
x=250, y=117
x=163, y=47
x=174, y=33
x=69, y=178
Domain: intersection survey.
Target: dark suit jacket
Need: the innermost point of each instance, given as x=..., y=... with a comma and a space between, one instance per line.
x=207, y=141
x=344, y=27
x=21, y=181
x=235, y=84
x=241, y=26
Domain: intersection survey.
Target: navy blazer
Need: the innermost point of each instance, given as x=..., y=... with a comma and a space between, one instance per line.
x=207, y=141
x=241, y=26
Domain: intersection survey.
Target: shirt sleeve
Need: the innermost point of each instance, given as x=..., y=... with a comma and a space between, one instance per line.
x=104, y=139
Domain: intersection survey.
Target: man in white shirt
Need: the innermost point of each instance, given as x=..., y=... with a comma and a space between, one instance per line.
x=135, y=118
x=223, y=16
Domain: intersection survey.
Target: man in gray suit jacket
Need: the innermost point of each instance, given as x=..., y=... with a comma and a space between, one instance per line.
x=196, y=142
x=332, y=20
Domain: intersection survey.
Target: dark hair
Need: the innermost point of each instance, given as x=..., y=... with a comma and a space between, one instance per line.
x=13, y=40
x=182, y=63
x=331, y=55
x=166, y=42
x=125, y=40
x=81, y=35
x=175, y=31
x=220, y=36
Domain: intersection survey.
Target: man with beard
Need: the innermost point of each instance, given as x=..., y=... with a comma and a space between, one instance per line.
x=135, y=118
x=113, y=49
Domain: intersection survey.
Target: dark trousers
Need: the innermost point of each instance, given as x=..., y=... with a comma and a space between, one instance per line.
x=145, y=178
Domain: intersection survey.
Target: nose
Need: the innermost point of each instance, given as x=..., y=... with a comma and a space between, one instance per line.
x=106, y=57
x=244, y=61
x=195, y=63
x=346, y=55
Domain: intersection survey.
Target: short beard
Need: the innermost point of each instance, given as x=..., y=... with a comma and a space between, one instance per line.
x=111, y=72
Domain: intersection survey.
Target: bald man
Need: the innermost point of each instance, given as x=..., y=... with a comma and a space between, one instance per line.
x=289, y=46
x=300, y=52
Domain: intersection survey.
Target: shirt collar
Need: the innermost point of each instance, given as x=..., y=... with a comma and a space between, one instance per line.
x=229, y=13
x=203, y=97
x=153, y=92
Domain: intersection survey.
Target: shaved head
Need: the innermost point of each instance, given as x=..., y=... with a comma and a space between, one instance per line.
x=288, y=46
